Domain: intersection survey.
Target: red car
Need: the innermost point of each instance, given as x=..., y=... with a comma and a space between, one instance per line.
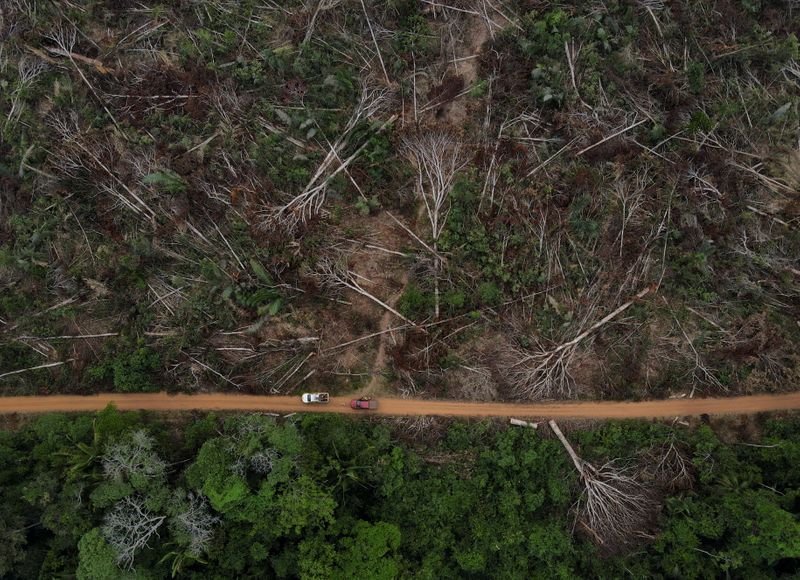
x=363, y=403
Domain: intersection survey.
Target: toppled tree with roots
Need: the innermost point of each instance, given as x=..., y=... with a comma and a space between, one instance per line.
x=545, y=372
x=615, y=508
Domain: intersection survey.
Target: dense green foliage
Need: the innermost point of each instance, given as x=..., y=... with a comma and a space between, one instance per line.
x=327, y=497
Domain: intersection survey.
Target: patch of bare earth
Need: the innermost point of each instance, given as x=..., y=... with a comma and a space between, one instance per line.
x=464, y=64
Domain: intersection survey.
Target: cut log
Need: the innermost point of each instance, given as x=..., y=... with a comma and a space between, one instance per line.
x=521, y=423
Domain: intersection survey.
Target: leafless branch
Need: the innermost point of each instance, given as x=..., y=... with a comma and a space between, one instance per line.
x=128, y=527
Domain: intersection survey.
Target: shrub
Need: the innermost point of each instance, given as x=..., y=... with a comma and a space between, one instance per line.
x=455, y=299
x=696, y=74
x=584, y=227
x=415, y=302
x=132, y=368
x=700, y=121
x=134, y=371
x=167, y=181
x=489, y=294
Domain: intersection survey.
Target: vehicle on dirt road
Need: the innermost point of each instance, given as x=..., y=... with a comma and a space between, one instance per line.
x=364, y=403
x=315, y=397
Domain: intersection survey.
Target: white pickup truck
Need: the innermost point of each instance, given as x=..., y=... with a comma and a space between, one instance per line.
x=315, y=397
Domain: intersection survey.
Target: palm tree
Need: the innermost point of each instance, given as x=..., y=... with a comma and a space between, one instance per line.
x=83, y=455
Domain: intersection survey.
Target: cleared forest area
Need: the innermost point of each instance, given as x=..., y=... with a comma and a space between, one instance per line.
x=474, y=200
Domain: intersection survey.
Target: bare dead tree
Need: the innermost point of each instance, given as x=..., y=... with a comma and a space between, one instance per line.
x=198, y=523
x=308, y=203
x=672, y=469
x=128, y=528
x=335, y=274
x=700, y=374
x=29, y=69
x=246, y=445
x=166, y=298
x=438, y=157
x=630, y=194
x=541, y=374
x=711, y=196
x=614, y=507
x=271, y=364
x=519, y=129
x=198, y=368
x=64, y=39
x=134, y=456
x=419, y=428
x=15, y=14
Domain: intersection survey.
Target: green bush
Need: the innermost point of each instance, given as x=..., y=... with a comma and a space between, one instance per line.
x=700, y=121
x=584, y=226
x=696, y=75
x=135, y=371
x=691, y=276
x=166, y=180
x=132, y=367
x=366, y=207
x=455, y=299
x=415, y=303
x=489, y=294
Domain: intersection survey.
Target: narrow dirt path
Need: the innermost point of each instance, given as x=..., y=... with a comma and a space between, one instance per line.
x=230, y=402
x=379, y=364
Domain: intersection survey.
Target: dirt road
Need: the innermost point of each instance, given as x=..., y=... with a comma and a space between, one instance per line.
x=229, y=402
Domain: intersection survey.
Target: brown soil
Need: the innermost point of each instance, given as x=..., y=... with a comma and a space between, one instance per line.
x=455, y=111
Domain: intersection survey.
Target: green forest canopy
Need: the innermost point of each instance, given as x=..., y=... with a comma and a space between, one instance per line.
x=327, y=497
